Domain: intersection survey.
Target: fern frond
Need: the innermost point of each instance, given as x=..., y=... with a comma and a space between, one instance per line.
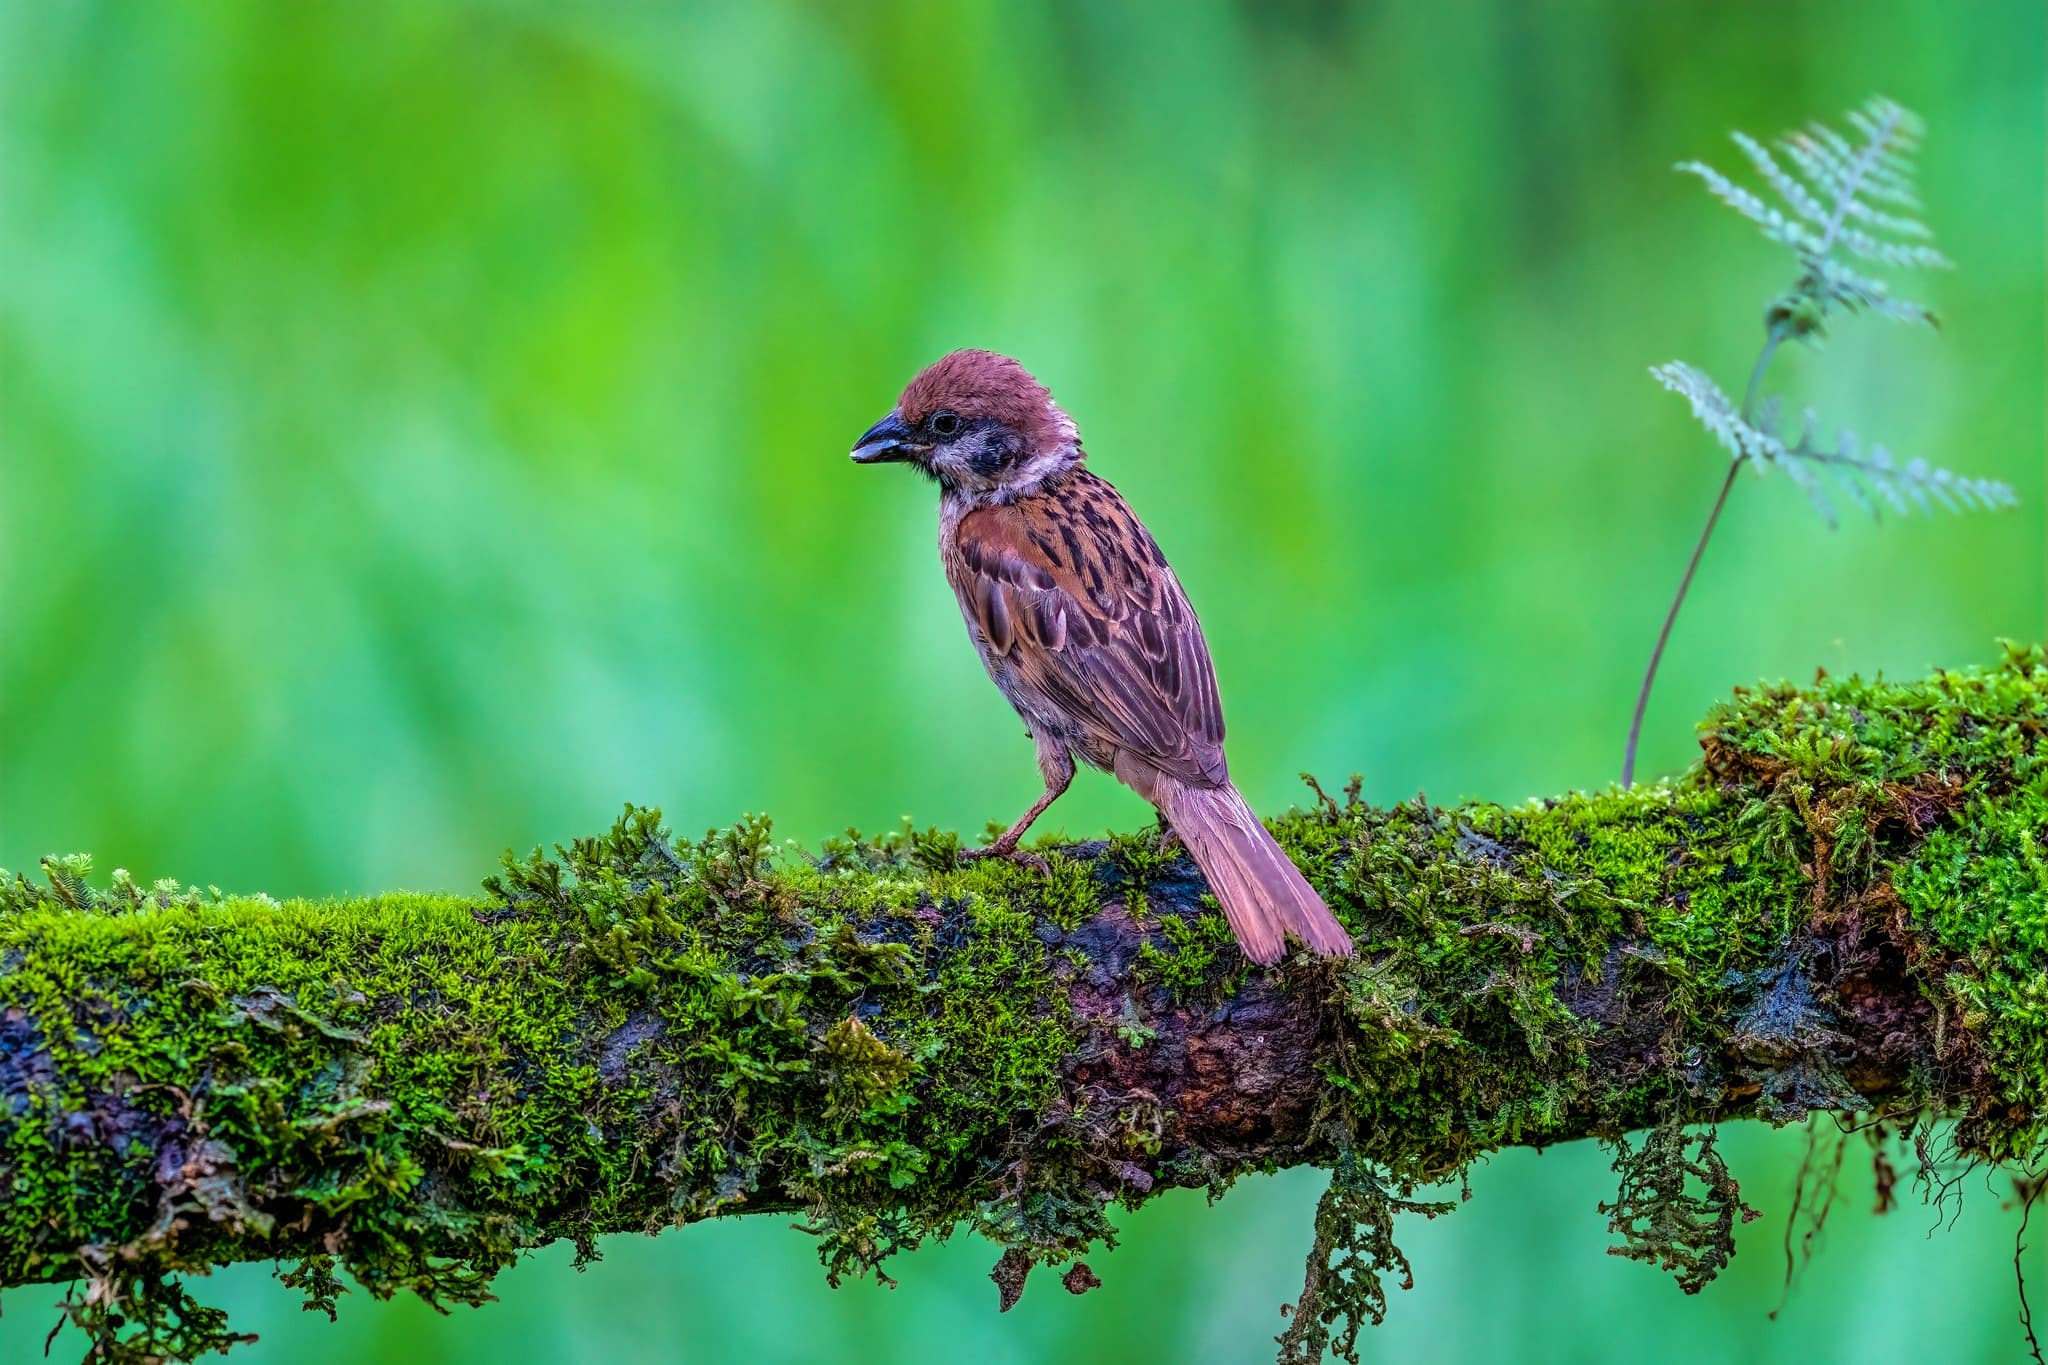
x=1883, y=185
x=1904, y=255
x=1776, y=226
x=1789, y=188
x=1904, y=487
x=1851, y=471
x=1832, y=283
x=1716, y=411
x=1830, y=188
x=1818, y=161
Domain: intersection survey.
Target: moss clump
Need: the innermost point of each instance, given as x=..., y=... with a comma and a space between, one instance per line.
x=1982, y=894
x=1188, y=959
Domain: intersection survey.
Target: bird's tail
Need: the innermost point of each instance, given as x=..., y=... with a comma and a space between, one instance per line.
x=1263, y=894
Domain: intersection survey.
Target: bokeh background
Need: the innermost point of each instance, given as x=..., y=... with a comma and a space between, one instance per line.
x=424, y=429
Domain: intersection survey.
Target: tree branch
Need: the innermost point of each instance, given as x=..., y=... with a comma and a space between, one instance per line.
x=1840, y=908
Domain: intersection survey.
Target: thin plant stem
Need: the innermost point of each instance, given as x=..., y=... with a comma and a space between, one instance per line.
x=1635, y=725
x=1845, y=193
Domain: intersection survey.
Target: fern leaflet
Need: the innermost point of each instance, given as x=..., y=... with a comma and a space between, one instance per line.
x=1830, y=189
x=1856, y=473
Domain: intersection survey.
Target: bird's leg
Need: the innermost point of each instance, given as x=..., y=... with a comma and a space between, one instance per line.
x=1005, y=845
x=1169, y=838
x=1057, y=765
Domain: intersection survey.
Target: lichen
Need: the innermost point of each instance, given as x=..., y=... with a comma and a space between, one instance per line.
x=1677, y=1206
x=1344, y=1288
x=1844, y=904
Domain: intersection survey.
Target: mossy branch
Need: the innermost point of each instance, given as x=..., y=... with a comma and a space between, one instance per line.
x=1842, y=907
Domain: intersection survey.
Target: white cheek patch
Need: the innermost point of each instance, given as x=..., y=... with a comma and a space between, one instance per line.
x=1064, y=453
x=1040, y=467
x=948, y=464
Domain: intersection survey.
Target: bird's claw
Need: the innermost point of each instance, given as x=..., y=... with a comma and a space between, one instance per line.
x=1008, y=853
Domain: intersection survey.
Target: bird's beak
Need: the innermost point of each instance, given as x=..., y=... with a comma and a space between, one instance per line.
x=885, y=441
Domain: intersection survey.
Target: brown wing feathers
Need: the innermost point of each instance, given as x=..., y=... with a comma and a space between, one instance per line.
x=1069, y=587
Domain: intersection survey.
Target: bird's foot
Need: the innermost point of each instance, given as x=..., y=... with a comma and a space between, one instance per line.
x=1170, y=842
x=1007, y=850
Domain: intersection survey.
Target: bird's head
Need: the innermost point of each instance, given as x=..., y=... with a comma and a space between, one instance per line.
x=979, y=424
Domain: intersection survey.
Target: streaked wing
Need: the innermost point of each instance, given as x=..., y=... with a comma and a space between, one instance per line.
x=1069, y=587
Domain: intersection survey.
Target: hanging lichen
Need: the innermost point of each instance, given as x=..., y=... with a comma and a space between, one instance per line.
x=1353, y=1253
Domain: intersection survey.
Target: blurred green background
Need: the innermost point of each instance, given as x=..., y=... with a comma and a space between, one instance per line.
x=424, y=429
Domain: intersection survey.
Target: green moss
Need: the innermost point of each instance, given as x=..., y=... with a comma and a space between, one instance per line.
x=1930, y=798
x=640, y=1031
x=1681, y=905
x=395, y=1069
x=1983, y=894
x=1193, y=951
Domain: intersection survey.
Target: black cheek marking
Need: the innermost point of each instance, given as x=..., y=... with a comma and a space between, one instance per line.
x=998, y=446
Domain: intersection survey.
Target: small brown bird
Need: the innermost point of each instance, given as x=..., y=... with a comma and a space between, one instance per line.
x=1086, y=630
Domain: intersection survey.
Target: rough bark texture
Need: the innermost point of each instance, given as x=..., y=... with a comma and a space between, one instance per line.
x=1843, y=907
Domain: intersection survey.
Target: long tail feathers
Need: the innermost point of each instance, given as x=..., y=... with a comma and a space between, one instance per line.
x=1263, y=894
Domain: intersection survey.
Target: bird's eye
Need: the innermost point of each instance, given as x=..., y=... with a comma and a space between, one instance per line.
x=946, y=423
